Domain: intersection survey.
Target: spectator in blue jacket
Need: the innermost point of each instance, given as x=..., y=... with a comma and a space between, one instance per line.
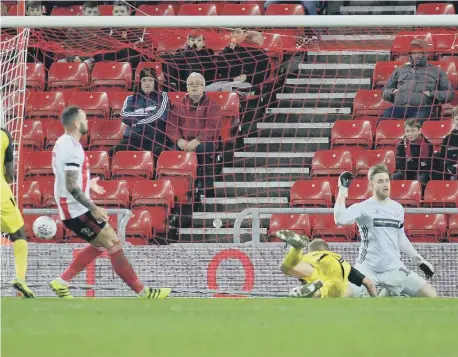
x=145, y=114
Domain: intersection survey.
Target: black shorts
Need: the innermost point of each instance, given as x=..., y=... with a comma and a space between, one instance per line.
x=85, y=226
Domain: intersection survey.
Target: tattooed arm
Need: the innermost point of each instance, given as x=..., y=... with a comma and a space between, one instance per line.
x=71, y=178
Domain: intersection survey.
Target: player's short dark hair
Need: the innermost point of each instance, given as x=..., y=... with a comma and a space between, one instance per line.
x=377, y=169
x=412, y=123
x=69, y=115
x=33, y=5
x=90, y=5
x=318, y=244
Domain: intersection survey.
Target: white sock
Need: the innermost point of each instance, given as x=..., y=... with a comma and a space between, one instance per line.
x=62, y=281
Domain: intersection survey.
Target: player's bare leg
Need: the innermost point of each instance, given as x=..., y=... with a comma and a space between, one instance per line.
x=21, y=257
x=427, y=290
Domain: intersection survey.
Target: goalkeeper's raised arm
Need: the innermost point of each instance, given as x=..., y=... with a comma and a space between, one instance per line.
x=342, y=215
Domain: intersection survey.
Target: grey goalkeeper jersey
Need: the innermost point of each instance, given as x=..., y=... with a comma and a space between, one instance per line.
x=381, y=226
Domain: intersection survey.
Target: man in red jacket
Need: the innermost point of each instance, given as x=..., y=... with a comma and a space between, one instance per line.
x=194, y=126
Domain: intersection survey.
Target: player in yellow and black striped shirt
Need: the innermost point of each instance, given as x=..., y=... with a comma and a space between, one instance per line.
x=11, y=218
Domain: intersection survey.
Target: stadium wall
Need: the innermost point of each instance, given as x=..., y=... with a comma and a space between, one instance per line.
x=200, y=266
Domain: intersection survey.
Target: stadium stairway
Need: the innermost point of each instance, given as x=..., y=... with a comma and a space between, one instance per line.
x=294, y=127
x=379, y=8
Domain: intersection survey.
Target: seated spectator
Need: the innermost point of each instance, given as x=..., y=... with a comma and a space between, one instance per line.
x=4, y=9
x=79, y=59
x=121, y=8
x=195, y=57
x=33, y=8
x=413, y=155
x=309, y=5
x=446, y=162
x=91, y=8
x=194, y=125
x=415, y=87
x=145, y=114
x=243, y=65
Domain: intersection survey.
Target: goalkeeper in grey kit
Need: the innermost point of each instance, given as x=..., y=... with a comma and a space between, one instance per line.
x=380, y=222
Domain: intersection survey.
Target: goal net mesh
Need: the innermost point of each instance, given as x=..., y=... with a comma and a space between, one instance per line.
x=294, y=109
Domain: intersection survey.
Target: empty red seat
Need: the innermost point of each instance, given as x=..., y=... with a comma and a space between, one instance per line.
x=32, y=134
x=436, y=131
x=106, y=10
x=323, y=226
x=406, y=192
x=95, y=104
x=138, y=164
x=369, y=102
x=157, y=67
x=298, y=223
x=116, y=194
x=449, y=67
x=28, y=227
x=138, y=230
x=116, y=100
x=435, y=9
x=35, y=76
x=74, y=10
x=155, y=10
x=389, y=132
x=367, y=158
x=99, y=164
x=359, y=191
x=46, y=184
x=156, y=197
x=31, y=194
x=111, y=76
x=181, y=169
x=52, y=130
x=445, y=42
x=230, y=110
x=203, y=9
x=45, y=104
x=37, y=163
x=169, y=44
x=383, y=71
x=311, y=193
x=285, y=9
x=425, y=228
x=106, y=133
x=331, y=162
x=452, y=233
x=401, y=44
x=351, y=132
x=441, y=194
x=241, y=9
x=68, y=76
x=447, y=108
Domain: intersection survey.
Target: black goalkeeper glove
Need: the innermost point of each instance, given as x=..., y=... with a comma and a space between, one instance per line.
x=345, y=180
x=425, y=266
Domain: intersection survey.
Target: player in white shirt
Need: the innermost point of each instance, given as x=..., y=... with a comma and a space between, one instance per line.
x=380, y=222
x=79, y=214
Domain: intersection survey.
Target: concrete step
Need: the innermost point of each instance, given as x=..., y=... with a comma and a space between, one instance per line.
x=216, y=235
x=238, y=204
x=294, y=129
x=353, y=70
x=284, y=144
x=326, y=85
x=354, y=37
x=224, y=220
x=352, y=56
x=253, y=189
x=272, y=159
x=265, y=173
x=378, y=10
x=298, y=98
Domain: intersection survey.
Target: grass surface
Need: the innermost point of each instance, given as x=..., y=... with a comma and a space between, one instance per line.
x=229, y=328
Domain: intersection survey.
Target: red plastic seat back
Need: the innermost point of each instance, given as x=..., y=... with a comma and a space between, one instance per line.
x=298, y=223
x=285, y=9
x=202, y=9
x=133, y=163
x=311, y=193
x=32, y=134
x=111, y=76
x=436, y=131
x=369, y=102
x=139, y=226
x=74, y=10
x=155, y=10
x=37, y=163
x=46, y=184
x=441, y=194
x=323, y=226
x=44, y=104
x=241, y=10
x=401, y=43
x=68, y=76
x=331, y=162
x=452, y=232
x=95, y=104
x=368, y=158
x=116, y=100
x=435, y=9
x=99, y=164
x=31, y=194
x=406, y=192
x=230, y=110
x=359, y=191
x=106, y=133
x=449, y=67
x=116, y=194
x=383, y=71
x=425, y=227
x=353, y=132
x=35, y=76
x=389, y=133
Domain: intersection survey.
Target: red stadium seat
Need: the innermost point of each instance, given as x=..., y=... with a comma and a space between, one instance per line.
x=45, y=104
x=449, y=67
x=139, y=164
x=285, y=9
x=106, y=133
x=452, y=233
x=383, y=71
x=52, y=130
x=298, y=223
x=445, y=43
x=177, y=97
x=406, y=192
x=37, y=163
x=447, y=108
x=436, y=131
x=116, y=100
x=358, y=192
x=35, y=76
x=435, y=9
x=332, y=180
x=367, y=158
x=241, y=9
x=116, y=194
x=389, y=133
x=171, y=43
x=425, y=228
x=31, y=194
x=155, y=10
x=68, y=76
x=401, y=44
x=311, y=193
x=441, y=194
x=156, y=197
x=99, y=164
x=156, y=65
x=111, y=76
x=369, y=102
x=323, y=226
x=106, y=10
x=139, y=226
x=181, y=169
x=28, y=227
x=46, y=184
x=230, y=110
x=75, y=10
x=202, y=9
x=95, y=104
x=331, y=162
x=32, y=134
x=353, y=132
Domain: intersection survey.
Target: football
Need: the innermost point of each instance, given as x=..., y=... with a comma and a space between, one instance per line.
x=44, y=227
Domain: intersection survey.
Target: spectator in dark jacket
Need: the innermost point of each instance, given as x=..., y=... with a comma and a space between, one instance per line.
x=145, y=114
x=413, y=155
x=446, y=162
x=415, y=87
x=194, y=125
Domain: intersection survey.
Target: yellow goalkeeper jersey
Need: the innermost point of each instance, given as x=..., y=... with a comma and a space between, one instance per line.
x=6, y=155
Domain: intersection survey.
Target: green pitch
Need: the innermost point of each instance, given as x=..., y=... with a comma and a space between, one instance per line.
x=229, y=328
